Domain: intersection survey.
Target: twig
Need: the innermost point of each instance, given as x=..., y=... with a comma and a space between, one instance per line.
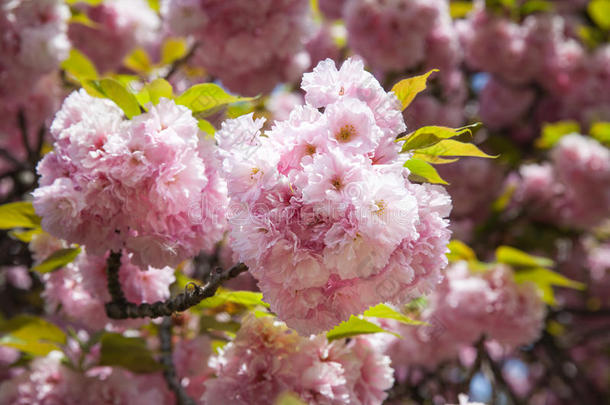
x=169, y=371
x=23, y=125
x=177, y=64
x=499, y=378
x=120, y=308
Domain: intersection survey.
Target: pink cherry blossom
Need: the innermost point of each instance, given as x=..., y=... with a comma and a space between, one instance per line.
x=149, y=185
x=323, y=214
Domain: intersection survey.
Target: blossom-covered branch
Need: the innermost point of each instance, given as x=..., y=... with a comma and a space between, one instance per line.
x=120, y=308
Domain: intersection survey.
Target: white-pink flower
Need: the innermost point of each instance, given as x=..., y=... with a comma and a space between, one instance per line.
x=323, y=213
x=150, y=185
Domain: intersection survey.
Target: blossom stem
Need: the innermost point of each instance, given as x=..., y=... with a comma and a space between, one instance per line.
x=120, y=308
x=169, y=371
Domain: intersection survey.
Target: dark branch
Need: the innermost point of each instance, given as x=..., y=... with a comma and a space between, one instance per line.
x=119, y=308
x=177, y=64
x=169, y=371
x=23, y=126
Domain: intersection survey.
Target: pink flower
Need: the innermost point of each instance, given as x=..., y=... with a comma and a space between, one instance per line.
x=149, y=185
x=47, y=382
x=120, y=27
x=331, y=9
x=323, y=214
x=394, y=36
x=33, y=42
x=80, y=289
x=250, y=46
x=502, y=105
x=266, y=359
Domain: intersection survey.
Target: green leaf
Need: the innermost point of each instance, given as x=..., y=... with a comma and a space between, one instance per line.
x=504, y=199
x=459, y=9
x=27, y=235
x=79, y=66
x=434, y=159
x=289, y=398
x=599, y=11
x=552, y=133
x=545, y=279
x=535, y=6
x=155, y=5
x=206, y=127
x=207, y=97
x=154, y=91
x=32, y=335
x=450, y=147
x=431, y=135
x=173, y=49
x=517, y=258
x=207, y=323
x=406, y=89
x=248, y=299
x=57, y=260
x=89, y=2
x=138, y=61
x=353, y=327
x=601, y=132
x=130, y=353
x=18, y=215
x=458, y=250
x=82, y=19
x=424, y=170
x=386, y=312
x=116, y=92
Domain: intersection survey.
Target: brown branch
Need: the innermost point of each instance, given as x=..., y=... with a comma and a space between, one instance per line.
x=120, y=308
x=177, y=64
x=169, y=371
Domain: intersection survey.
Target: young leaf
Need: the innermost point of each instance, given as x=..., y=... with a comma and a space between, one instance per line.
x=154, y=91
x=424, y=170
x=599, y=11
x=32, y=335
x=517, y=258
x=57, y=260
x=206, y=127
x=601, y=132
x=18, y=215
x=27, y=235
x=545, y=279
x=138, y=61
x=386, y=312
x=458, y=250
x=433, y=159
x=79, y=66
x=353, y=327
x=289, y=398
x=248, y=299
x=431, y=135
x=207, y=97
x=173, y=49
x=406, y=89
x=116, y=92
x=130, y=353
x=460, y=9
x=552, y=133
x=450, y=147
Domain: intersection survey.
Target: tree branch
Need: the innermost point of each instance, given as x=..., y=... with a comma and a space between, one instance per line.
x=169, y=371
x=177, y=64
x=120, y=308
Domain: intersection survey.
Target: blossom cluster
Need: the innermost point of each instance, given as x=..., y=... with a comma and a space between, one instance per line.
x=251, y=46
x=118, y=27
x=465, y=307
x=50, y=382
x=149, y=185
x=573, y=189
x=79, y=290
x=538, y=64
x=323, y=213
x=267, y=359
x=33, y=42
